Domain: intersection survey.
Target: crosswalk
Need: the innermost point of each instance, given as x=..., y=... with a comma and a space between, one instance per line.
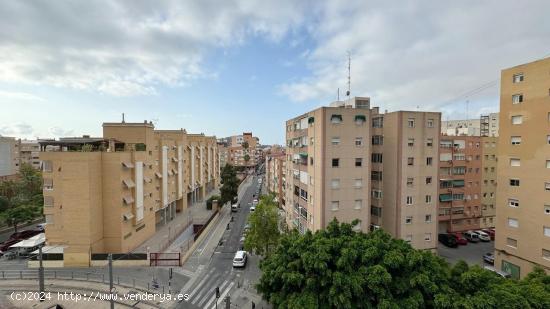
x=203, y=294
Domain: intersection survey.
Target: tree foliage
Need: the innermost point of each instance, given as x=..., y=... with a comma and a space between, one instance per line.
x=230, y=184
x=245, y=145
x=264, y=227
x=340, y=268
x=246, y=157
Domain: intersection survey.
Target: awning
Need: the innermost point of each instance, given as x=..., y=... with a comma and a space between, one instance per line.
x=129, y=183
x=50, y=249
x=31, y=242
x=128, y=200
x=159, y=175
x=128, y=216
x=360, y=118
x=128, y=164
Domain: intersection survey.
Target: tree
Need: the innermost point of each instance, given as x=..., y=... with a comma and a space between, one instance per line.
x=20, y=214
x=340, y=268
x=264, y=231
x=245, y=145
x=246, y=158
x=230, y=184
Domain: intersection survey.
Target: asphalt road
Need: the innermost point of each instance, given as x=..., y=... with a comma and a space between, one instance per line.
x=220, y=272
x=472, y=253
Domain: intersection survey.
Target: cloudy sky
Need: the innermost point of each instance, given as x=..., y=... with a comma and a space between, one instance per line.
x=224, y=67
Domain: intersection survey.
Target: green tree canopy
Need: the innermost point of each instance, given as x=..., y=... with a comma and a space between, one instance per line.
x=340, y=268
x=264, y=227
x=246, y=157
x=230, y=184
x=20, y=214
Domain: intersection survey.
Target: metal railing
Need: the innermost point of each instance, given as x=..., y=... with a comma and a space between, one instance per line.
x=128, y=282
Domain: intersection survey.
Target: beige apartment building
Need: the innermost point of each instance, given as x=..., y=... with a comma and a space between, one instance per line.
x=9, y=156
x=240, y=150
x=110, y=194
x=488, y=181
x=348, y=161
x=275, y=165
x=523, y=169
x=486, y=125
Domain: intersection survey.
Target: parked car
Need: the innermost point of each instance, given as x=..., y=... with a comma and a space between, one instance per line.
x=41, y=227
x=489, y=258
x=448, y=240
x=240, y=259
x=498, y=272
x=483, y=236
x=471, y=236
x=460, y=239
x=491, y=233
x=252, y=209
x=234, y=208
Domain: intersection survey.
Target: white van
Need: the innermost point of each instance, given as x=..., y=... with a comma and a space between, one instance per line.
x=234, y=207
x=240, y=259
x=501, y=273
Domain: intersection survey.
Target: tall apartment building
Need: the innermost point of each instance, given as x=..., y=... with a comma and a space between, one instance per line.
x=29, y=152
x=110, y=194
x=240, y=150
x=488, y=181
x=523, y=192
x=9, y=156
x=460, y=183
x=486, y=125
x=275, y=165
x=329, y=173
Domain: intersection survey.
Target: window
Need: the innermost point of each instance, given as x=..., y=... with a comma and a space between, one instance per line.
x=378, y=122
x=517, y=78
x=376, y=158
x=546, y=254
x=358, y=141
x=511, y=242
x=518, y=119
x=547, y=186
x=547, y=163
x=410, y=161
x=429, y=160
x=515, y=162
x=47, y=166
x=358, y=204
x=311, y=141
x=546, y=231
x=428, y=218
x=547, y=209
x=410, y=181
x=335, y=205
x=377, y=140
x=513, y=202
x=430, y=123
x=428, y=236
x=376, y=175
x=377, y=194
x=48, y=201
x=429, y=142
x=335, y=183
x=335, y=162
x=408, y=220
x=335, y=140
x=358, y=183
x=48, y=184
x=428, y=180
x=409, y=200
x=358, y=162
x=428, y=199
x=410, y=122
x=49, y=219
x=548, y=139
x=517, y=98
x=513, y=222
x=335, y=119
x=514, y=182
x=409, y=238
x=376, y=211
x=410, y=142
x=360, y=119
x=515, y=140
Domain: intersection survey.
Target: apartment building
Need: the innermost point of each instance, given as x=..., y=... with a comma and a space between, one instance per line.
x=241, y=150
x=486, y=125
x=29, y=152
x=110, y=194
x=275, y=165
x=488, y=181
x=460, y=183
x=523, y=169
x=9, y=156
x=342, y=161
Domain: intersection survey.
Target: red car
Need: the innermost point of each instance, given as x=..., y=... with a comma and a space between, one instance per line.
x=460, y=239
x=491, y=233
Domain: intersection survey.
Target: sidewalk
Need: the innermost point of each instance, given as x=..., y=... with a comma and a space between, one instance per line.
x=167, y=234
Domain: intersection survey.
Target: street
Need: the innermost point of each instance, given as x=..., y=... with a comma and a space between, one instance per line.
x=472, y=253
x=219, y=272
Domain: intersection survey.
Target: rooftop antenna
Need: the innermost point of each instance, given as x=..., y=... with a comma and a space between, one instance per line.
x=338, y=95
x=349, y=74
x=467, y=108
x=123, y=118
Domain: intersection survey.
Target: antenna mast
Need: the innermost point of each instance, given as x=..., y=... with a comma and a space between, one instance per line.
x=349, y=74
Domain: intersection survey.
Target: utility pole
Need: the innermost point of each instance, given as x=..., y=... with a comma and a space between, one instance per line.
x=170, y=272
x=40, y=275
x=112, y=301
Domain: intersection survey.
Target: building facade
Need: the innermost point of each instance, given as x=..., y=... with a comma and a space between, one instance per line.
x=9, y=156
x=342, y=162
x=486, y=125
x=110, y=194
x=240, y=150
x=488, y=181
x=523, y=170
x=275, y=165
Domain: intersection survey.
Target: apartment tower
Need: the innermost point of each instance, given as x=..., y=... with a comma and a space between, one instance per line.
x=523, y=192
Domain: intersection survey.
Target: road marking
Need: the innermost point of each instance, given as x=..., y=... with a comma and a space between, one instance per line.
x=222, y=296
x=201, y=283
x=207, y=288
x=213, y=296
